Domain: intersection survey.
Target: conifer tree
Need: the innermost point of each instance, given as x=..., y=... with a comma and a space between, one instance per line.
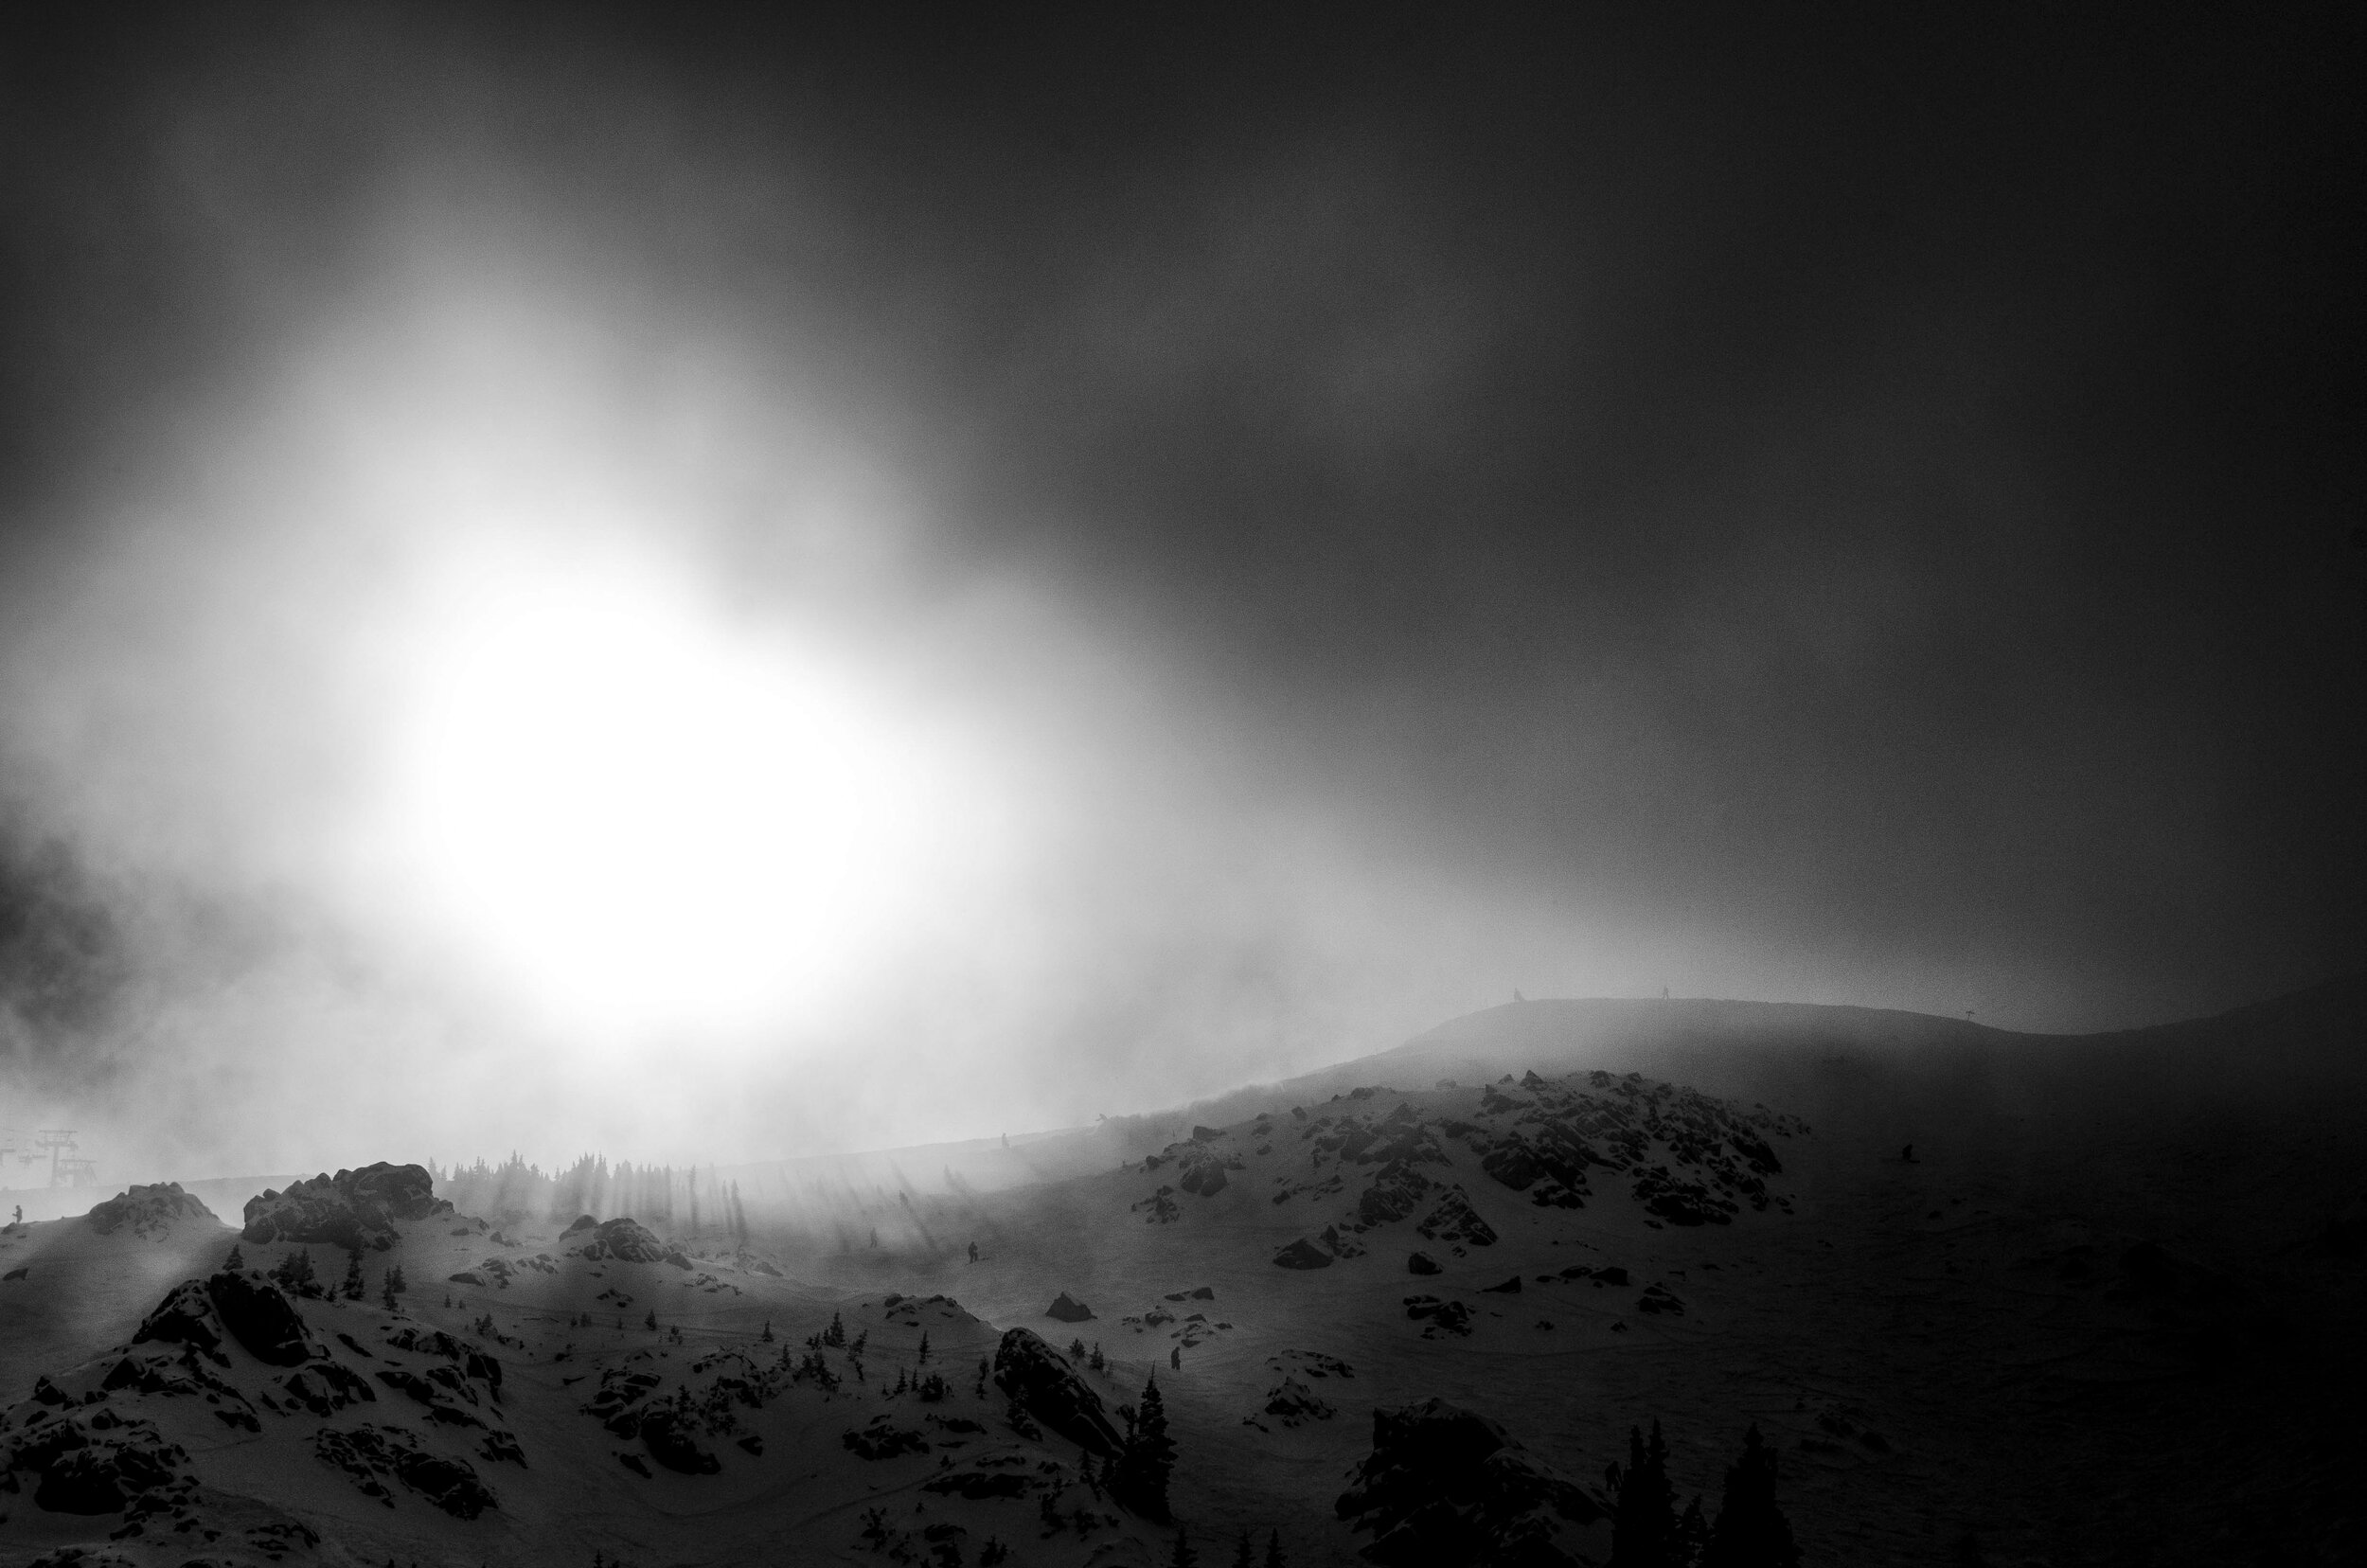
x=1140, y=1481
x=1693, y=1536
x=388, y=1294
x=1644, y=1520
x=1244, y=1555
x=1274, y=1550
x=354, y=1289
x=924, y=1347
x=768, y=1331
x=1751, y=1531
x=650, y=1322
x=401, y=1284
x=1184, y=1557
x=235, y=1261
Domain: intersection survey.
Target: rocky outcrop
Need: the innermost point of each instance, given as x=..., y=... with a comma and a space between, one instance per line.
x=1069, y=1309
x=148, y=1211
x=259, y=1316
x=1040, y=1381
x=186, y=1316
x=1302, y=1254
x=1421, y=1263
x=671, y=1442
x=630, y=1242
x=1293, y=1401
x=353, y=1209
x=1454, y=1220
x=1446, y=1486
x=93, y=1463
x=369, y=1457
x=1397, y=1191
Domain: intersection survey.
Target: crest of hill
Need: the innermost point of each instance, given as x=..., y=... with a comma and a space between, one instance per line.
x=2277, y=1057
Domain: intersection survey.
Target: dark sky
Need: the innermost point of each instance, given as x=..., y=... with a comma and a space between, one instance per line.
x=1878, y=493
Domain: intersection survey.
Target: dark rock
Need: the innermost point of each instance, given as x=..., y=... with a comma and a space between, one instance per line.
x=1040, y=1381
x=634, y=1463
x=1302, y=1254
x=753, y=1444
x=1443, y=1317
x=1657, y=1298
x=466, y=1277
x=1611, y=1274
x=978, y=1486
x=884, y=1439
x=1294, y=1402
x=82, y=1473
x=583, y=1222
x=1204, y=1177
x=671, y=1442
x=1445, y=1487
x=1510, y=1287
x=1422, y=1263
x=186, y=1316
x=352, y=1209
x=626, y=1240
x=1069, y=1309
x=1397, y=1191
x=1205, y=1134
x=148, y=1211
x=1454, y=1220
x=259, y=1316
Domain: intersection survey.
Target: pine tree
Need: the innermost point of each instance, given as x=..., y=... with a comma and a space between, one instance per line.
x=1149, y=1459
x=1751, y=1531
x=1274, y=1550
x=924, y=1347
x=388, y=1296
x=401, y=1284
x=768, y=1330
x=1244, y=1555
x=1643, y=1520
x=650, y=1322
x=1693, y=1536
x=235, y=1261
x=1184, y=1557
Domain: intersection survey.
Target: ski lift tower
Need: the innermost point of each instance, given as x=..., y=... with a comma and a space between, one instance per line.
x=59, y=1142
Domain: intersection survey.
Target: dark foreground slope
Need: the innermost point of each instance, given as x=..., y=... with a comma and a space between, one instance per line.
x=2108, y=1311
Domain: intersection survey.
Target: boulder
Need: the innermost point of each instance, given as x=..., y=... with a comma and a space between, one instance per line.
x=1421, y=1263
x=1510, y=1287
x=1069, y=1309
x=1444, y=1486
x=148, y=1211
x=1204, y=1177
x=1397, y=1191
x=1293, y=1402
x=1302, y=1254
x=186, y=1316
x=626, y=1240
x=672, y=1443
x=353, y=1209
x=259, y=1316
x=1040, y=1381
x=1454, y=1220
x=583, y=1222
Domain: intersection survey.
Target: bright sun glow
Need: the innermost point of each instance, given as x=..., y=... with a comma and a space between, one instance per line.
x=644, y=814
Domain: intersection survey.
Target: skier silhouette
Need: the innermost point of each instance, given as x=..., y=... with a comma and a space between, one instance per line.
x=973, y=1252
x=1175, y=1358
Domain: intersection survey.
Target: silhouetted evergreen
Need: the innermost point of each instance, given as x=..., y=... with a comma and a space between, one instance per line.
x=1751, y=1531
x=1693, y=1535
x=1274, y=1550
x=1184, y=1557
x=1644, y=1520
x=1139, y=1480
x=353, y=1288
